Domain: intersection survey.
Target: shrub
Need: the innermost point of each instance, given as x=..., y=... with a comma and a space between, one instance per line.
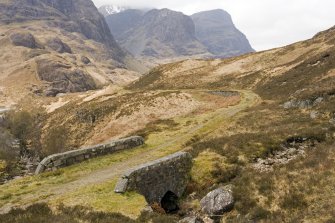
x=225, y=175
x=21, y=126
x=38, y=213
x=7, y=151
x=26, y=127
x=259, y=213
x=55, y=141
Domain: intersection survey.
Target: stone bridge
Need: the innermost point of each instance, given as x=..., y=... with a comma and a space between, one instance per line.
x=162, y=181
x=59, y=160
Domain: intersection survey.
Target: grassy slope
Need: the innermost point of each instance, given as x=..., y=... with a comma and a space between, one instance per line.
x=291, y=193
x=91, y=183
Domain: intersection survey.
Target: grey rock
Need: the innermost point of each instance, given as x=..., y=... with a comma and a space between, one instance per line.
x=191, y=220
x=62, y=78
x=58, y=45
x=288, y=105
x=318, y=101
x=121, y=186
x=302, y=104
x=24, y=39
x=85, y=60
x=314, y=114
x=218, y=201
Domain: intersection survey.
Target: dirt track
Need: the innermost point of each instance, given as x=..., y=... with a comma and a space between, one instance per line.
x=115, y=170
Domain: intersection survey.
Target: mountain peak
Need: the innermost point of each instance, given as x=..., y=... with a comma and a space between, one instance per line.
x=216, y=30
x=106, y=10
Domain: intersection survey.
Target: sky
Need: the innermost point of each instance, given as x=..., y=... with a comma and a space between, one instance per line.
x=266, y=23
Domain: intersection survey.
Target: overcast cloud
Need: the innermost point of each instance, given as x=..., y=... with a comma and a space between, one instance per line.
x=266, y=23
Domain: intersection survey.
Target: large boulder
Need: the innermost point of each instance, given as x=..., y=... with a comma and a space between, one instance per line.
x=58, y=45
x=218, y=201
x=24, y=39
x=85, y=60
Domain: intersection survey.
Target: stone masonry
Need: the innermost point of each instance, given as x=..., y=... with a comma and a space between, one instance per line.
x=154, y=179
x=59, y=160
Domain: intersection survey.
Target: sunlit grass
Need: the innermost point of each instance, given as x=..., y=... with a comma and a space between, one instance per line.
x=101, y=196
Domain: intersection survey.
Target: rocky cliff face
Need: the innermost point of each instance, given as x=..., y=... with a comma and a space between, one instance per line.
x=119, y=23
x=216, y=30
x=158, y=33
x=59, y=33
x=166, y=34
x=71, y=15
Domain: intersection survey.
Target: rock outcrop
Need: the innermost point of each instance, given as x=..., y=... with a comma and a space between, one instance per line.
x=292, y=149
x=58, y=45
x=63, y=78
x=24, y=39
x=218, y=201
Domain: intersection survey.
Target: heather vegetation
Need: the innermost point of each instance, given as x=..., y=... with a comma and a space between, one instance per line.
x=38, y=213
x=269, y=145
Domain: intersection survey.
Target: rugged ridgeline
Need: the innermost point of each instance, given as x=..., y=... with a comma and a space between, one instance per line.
x=60, y=46
x=59, y=160
x=166, y=34
x=216, y=30
x=158, y=34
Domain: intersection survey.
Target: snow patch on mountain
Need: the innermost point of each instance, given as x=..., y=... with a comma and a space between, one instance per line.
x=111, y=9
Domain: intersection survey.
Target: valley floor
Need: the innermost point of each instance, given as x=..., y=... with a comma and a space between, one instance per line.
x=91, y=183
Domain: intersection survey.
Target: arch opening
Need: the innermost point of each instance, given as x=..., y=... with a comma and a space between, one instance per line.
x=170, y=202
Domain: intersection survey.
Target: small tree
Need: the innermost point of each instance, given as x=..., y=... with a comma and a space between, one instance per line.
x=21, y=125
x=7, y=151
x=55, y=140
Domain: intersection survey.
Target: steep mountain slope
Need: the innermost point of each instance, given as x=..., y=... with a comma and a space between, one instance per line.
x=56, y=47
x=216, y=30
x=119, y=23
x=162, y=34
